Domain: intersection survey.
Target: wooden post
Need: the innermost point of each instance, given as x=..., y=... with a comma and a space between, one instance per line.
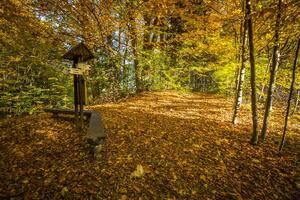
x=81, y=96
x=75, y=62
x=78, y=53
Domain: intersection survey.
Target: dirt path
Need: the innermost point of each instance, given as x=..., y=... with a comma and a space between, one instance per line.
x=182, y=144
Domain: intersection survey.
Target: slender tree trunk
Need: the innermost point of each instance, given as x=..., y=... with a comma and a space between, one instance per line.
x=121, y=61
x=136, y=64
x=237, y=78
x=254, y=138
x=290, y=97
x=239, y=94
x=238, y=42
x=275, y=63
x=134, y=46
x=126, y=74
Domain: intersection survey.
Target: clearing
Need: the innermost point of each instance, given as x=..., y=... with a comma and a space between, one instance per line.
x=159, y=145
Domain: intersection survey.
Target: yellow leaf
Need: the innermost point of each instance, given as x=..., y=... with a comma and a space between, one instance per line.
x=139, y=172
x=225, y=141
x=26, y=181
x=202, y=177
x=197, y=146
x=218, y=142
x=181, y=192
x=122, y=190
x=64, y=191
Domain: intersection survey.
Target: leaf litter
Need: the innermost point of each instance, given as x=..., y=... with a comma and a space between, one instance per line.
x=159, y=145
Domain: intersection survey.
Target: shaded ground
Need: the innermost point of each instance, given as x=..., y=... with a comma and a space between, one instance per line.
x=184, y=143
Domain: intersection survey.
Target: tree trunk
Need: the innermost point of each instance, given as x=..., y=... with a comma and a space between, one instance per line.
x=146, y=39
x=136, y=64
x=134, y=46
x=238, y=42
x=237, y=78
x=275, y=63
x=126, y=71
x=290, y=97
x=253, y=74
x=239, y=93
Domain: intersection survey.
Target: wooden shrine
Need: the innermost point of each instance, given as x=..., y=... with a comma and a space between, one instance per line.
x=80, y=54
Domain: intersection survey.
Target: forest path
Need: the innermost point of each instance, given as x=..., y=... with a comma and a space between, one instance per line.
x=159, y=145
x=189, y=149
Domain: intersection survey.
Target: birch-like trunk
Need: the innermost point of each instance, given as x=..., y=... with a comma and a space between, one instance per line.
x=126, y=71
x=290, y=97
x=275, y=64
x=239, y=93
x=254, y=138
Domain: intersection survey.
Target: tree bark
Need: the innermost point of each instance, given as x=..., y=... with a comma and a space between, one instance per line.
x=237, y=78
x=254, y=138
x=134, y=46
x=126, y=71
x=75, y=82
x=239, y=93
x=290, y=97
x=136, y=64
x=275, y=64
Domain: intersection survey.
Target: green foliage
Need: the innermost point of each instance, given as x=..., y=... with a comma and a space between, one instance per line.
x=30, y=75
x=225, y=78
x=153, y=45
x=154, y=65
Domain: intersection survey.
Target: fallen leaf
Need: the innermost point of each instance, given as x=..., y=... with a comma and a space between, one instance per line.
x=203, y=178
x=139, y=172
x=64, y=191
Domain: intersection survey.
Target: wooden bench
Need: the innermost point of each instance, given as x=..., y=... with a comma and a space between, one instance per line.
x=95, y=133
x=56, y=111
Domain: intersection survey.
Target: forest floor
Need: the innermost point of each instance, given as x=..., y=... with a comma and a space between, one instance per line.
x=159, y=145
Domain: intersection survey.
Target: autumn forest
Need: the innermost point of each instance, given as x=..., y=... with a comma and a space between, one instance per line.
x=149, y=99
